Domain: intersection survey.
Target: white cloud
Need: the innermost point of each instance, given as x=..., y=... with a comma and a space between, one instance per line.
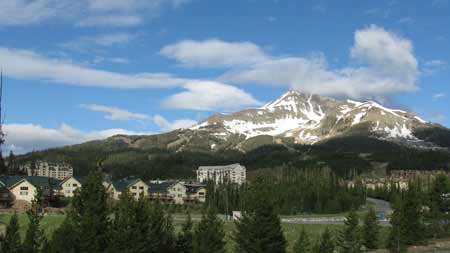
x=100, y=40
x=27, y=137
x=214, y=53
x=384, y=63
x=210, y=96
x=438, y=96
x=110, y=20
x=431, y=67
x=114, y=113
x=83, y=12
x=406, y=21
x=25, y=64
x=166, y=125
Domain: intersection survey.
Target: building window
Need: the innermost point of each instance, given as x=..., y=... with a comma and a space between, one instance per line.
x=24, y=188
x=141, y=187
x=133, y=187
x=23, y=192
x=75, y=185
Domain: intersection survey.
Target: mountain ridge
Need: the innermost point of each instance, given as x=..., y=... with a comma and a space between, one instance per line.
x=308, y=119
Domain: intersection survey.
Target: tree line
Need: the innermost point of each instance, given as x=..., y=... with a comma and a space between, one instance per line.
x=94, y=225
x=293, y=190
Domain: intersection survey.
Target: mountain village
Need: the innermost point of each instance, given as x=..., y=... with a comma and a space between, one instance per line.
x=57, y=180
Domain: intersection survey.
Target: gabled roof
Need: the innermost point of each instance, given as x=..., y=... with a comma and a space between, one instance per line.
x=160, y=187
x=80, y=180
x=122, y=184
x=222, y=167
x=37, y=181
x=193, y=188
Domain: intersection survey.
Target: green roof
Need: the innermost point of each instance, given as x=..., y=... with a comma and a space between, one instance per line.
x=160, y=187
x=122, y=184
x=42, y=182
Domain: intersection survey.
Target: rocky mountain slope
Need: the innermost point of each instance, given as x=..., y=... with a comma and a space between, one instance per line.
x=308, y=119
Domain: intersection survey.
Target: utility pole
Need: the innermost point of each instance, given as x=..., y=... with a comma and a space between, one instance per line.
x=2, y=134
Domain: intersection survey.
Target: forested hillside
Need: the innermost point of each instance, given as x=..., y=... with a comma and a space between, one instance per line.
x=343, y=155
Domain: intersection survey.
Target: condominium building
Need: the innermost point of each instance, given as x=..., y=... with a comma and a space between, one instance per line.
x=49, y=169
x=233, y=173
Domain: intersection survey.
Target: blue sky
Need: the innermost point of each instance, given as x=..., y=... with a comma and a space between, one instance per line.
x=88, y=69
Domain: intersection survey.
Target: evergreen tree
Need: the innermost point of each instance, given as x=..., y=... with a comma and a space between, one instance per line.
x=259, y=229
x=142, y=228
x=34, y=236
x=350, y=239
x=91, y=214
x=66, y=238
x=3, y=168
x=12, y=166
x=396, y=241
x=413, y=217
x=185, y=237
x=122, y=225
x=209, y=234
x=438, y=216
x=302, y=245
x=12, y=242
x=371, y=230
x=161, y=236
x=326, y=242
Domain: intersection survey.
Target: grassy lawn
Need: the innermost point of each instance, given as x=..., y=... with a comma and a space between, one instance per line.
x=50, y=223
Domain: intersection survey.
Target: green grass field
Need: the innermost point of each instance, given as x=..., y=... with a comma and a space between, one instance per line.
x=51, y=222
x=48, y=224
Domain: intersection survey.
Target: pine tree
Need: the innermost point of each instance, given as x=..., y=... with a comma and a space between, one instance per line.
x=438, y=216
x=122, y=225
x=3, y=168
x=184, y=240
x=34, y=236
x=259, y=229
x=350, y=239
x=161, y=236
x=303, y=244
x=12, y=242
x=371, y=230
x=326, y=242
x=66, y=238
x=12, y=166
x=413, y=222
x=209, y=234
x=396, y=240
x=142, y=221
x=91, y=211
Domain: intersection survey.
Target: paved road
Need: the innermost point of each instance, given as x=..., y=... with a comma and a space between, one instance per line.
x=381, y=205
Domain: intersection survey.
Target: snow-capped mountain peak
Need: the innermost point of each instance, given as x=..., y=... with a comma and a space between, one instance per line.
x=310, y=118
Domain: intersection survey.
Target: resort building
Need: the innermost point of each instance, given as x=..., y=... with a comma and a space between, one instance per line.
x=49, y=169
x=233, y=173
x=23, y=188
x=177, y=192
x=135, y=186
x=69, y=185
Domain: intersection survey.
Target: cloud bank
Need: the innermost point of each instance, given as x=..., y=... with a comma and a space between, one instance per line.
x=118, y=13
x=383, y=63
